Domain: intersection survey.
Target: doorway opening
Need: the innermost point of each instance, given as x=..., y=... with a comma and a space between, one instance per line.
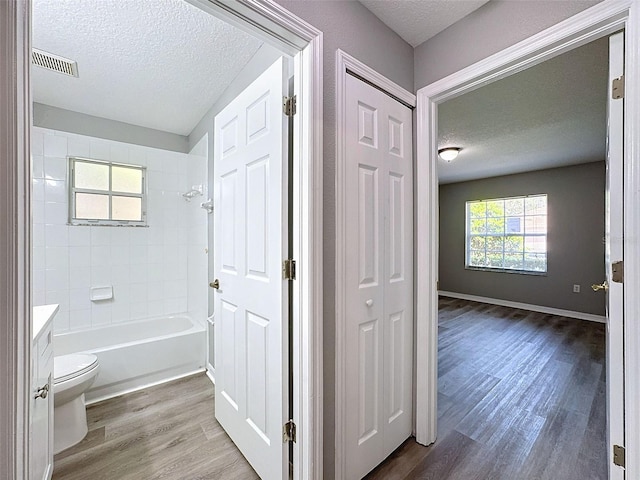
x=149, y=248
x=303, y=43
x=565, y=36
x=507, y=369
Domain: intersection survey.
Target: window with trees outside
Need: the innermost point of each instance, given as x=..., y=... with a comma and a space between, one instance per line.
x=106, y=193
x=507, y=234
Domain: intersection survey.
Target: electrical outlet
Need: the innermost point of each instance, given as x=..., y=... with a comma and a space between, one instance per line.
x=576, y=288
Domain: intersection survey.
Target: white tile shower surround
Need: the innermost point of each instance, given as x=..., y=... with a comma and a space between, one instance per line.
x=157, y=270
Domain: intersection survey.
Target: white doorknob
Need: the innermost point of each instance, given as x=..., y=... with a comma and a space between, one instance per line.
x=369, y=303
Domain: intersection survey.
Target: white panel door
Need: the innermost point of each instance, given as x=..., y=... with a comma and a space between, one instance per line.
x=614, y=253
x=250, y=215
x=379, y=276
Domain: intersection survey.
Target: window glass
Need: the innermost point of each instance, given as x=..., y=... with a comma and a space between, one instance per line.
x=105, y=193
x=126, y=180
x=91, y=205
x=507, y=234
x=514, y=206
x=126, y=208
x=91, y=176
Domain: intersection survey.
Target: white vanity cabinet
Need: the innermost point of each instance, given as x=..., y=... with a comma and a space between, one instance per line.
x=41, y=425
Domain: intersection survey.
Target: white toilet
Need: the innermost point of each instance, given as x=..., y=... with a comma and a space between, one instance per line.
x=73, y=375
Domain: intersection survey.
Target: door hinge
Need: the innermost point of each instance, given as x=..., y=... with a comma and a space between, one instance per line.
x=289, y=269
x=289, y=106
x=289, y=432
x=617, y=88
x=618, y=456
x=617, y=271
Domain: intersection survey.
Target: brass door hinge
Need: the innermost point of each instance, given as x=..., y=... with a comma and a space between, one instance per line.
x=289, y=269
x=617, y=272
x=289, y=432
x=618, y=456
x=289, y=106
x=617, y=88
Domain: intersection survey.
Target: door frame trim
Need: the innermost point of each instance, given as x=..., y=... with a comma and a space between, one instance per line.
x=346, y=63
x=600, y=20
x=15, y=238
x=275, y=25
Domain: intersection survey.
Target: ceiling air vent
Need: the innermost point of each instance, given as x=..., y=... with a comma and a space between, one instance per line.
x=54, y=62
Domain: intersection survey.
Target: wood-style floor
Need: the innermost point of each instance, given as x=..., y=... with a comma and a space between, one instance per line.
x=163, y=432
x=521, y=397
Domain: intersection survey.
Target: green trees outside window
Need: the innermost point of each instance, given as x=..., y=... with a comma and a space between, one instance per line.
x=507, y=234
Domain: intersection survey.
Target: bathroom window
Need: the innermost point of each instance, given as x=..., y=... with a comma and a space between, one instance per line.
x=106, y=193
x=507, y=234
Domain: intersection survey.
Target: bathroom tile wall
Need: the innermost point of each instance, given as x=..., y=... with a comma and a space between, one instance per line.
x=197, y=219
x=148, y=267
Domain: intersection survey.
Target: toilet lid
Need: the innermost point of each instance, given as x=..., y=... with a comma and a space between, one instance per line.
x=69, y=366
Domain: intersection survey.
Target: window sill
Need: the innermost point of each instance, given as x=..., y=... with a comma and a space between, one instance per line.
x=505, y=270
x=100, y=224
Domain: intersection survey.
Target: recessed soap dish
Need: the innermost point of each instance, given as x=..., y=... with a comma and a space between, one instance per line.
x=101, y=293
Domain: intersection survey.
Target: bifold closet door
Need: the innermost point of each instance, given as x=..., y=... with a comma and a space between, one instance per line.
x=379, y=362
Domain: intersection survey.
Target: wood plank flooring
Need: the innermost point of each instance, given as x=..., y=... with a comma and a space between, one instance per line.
x=521, y=397
x=163, y=432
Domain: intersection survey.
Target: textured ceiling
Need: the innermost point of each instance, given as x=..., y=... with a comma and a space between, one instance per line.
x=551, y=115
x=159, y=64
x=418, y=20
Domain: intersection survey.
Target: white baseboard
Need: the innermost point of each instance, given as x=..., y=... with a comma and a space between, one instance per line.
x=526, y=306
x=211, y=377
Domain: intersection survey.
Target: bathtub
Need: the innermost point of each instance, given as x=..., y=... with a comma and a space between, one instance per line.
x=138, y=354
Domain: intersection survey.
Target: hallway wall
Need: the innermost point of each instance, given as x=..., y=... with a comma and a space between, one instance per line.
x=349, y=26
x=493, y=27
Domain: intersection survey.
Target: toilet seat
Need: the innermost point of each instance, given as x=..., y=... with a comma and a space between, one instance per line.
x=67, y=367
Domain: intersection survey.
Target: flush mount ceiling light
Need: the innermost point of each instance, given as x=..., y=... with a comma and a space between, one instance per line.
x=449, y=154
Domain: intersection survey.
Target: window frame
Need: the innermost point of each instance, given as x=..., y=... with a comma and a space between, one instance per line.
x=524, y=235
x=72, y=190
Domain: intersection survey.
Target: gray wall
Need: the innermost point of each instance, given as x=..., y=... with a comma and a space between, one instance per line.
x=349, y=26
x=55, y=118
x=575, y=226
x=491, y=28
x=354, y=29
